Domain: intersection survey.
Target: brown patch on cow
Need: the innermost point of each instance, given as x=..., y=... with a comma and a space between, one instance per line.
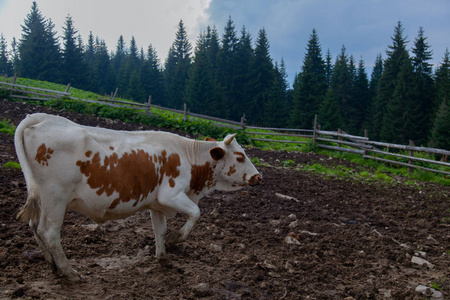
x=88, y=153
x=244, y=177
x=111, y=147
x=43, y=155
x=231, y=171
x=208, y=139
x=133, y=176
x=201, y=177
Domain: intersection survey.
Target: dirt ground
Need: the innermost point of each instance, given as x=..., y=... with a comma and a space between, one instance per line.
x=343, y=239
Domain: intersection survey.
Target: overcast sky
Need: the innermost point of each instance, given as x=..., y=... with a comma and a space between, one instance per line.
x=365, y=27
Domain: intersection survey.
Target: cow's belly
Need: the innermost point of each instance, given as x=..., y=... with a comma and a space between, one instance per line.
x=100, y=209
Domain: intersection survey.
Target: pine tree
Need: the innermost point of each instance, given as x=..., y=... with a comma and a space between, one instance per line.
x=73, y=68
x=177, y=68
x=375, y=102
x=243, y=76
x=152, y=78
x=227, y=68
x=102, y=74
x=328, y=67
x=396, y=56
x=425, y=87
x=341, y=90
x=202, y=91
x=329, y=115
x=400, y=121
x=6, y=67
x=440, y=137
x=39, y=48
x=361, y=99
x=310, y=91
x=14, y=54
x=262, y=79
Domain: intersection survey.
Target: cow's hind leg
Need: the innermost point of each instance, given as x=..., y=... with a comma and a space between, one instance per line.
x=49, y=233
x=159, y=223
x=42, y=246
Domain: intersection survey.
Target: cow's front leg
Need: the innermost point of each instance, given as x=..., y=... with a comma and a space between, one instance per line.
x=183, y=205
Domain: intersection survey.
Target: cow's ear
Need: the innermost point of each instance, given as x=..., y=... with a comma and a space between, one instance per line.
x=208, y=139
x=217, y=153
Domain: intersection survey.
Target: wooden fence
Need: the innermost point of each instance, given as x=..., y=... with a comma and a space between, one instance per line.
x=331, y=140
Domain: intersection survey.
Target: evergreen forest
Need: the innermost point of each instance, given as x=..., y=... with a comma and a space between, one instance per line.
x=405, y=98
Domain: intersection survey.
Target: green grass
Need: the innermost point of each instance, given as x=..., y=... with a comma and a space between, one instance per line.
x=12, y=165
x=7, y=127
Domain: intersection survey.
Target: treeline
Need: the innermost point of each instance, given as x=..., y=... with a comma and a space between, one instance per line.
x=226, y=76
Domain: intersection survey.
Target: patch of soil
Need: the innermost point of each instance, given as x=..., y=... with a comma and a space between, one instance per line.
x=343, y=239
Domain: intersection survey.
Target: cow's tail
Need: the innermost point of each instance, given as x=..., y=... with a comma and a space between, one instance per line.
x=31, y=211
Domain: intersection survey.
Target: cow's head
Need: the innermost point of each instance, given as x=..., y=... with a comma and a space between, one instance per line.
x=233, y=169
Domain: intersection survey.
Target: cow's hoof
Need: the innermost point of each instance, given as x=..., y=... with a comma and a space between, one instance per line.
x=172, y=237
x=73, y=276
x=165, y=262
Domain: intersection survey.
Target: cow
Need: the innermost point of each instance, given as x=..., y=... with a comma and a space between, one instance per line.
x=107, y=175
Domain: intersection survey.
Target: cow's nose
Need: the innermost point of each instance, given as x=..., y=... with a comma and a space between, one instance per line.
x=255, y=179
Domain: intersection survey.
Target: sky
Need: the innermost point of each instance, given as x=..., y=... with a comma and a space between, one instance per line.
x=364, y=27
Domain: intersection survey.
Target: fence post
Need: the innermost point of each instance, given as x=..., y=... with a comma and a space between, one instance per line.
x=411, y=153
x=68, y=87
x=149, y=105
x=185, y=111
x=115, y=94
x=14, y=82
x=339, y=137
x=243, y=122
x=314, y=130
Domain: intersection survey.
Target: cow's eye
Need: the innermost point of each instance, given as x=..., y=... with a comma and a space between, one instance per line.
x=240, y=157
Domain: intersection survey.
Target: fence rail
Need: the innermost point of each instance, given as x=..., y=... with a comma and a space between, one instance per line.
x=331, y=140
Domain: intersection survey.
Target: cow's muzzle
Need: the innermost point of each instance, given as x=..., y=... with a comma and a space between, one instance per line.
x=255, y=180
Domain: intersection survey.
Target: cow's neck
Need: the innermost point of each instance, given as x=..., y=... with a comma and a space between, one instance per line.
x=197, y=152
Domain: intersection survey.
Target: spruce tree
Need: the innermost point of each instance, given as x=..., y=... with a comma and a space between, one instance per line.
x=14, y=54
x=39, y=48
x=73, y=69
x=400, y=121
x=425, y=87
x=396, y=56
x=341, y=90
x=263, y=76
x=202, y=91
x=362, y=99
x=152, y=78
x=227, y=67
x=310, y=91
x=177, y=68
x=6, y=67
x=243, y=76
x=329, y=116
x=440, y=137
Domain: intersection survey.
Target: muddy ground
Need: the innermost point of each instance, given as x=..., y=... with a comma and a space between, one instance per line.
x=348, y=239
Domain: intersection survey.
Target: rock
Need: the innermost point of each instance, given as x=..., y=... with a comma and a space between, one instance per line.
x=293, y=224
x=420, y=253
x=292, y=217
x=274, y=222
x=420, y=261
x=435, y=295
x=215, y=247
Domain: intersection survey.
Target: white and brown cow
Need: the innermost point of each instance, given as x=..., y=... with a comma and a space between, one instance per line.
x=106, y=174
